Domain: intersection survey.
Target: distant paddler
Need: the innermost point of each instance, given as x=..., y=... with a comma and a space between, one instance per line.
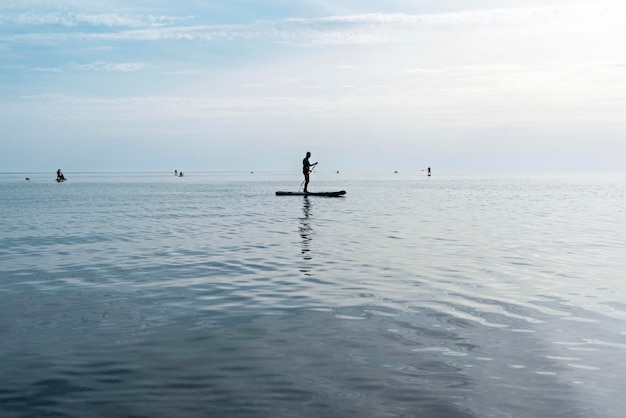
x=60, y=176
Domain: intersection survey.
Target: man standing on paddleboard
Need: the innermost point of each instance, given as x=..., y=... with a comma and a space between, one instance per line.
x=306, y=169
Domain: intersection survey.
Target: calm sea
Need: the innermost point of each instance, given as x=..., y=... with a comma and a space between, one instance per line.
x=147, y=295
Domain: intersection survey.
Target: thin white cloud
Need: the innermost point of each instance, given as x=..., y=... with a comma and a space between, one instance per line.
x=111, y=66
x=34, y=69
x=505, y=16
x=47, y=70
x=70, y=19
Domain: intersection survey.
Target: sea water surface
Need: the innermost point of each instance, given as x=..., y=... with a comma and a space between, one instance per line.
x=458, y=295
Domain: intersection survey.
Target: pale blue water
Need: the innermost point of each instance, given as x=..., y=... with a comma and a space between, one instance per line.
x=146, y=295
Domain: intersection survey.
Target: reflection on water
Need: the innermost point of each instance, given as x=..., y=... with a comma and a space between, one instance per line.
x=305, y=233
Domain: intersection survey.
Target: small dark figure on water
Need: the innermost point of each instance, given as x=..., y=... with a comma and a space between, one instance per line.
x=176, y=172
x=60, y=176
x=307, y=167
x=428, y=171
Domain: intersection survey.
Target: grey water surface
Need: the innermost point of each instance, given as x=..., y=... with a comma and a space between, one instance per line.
x=458, y=295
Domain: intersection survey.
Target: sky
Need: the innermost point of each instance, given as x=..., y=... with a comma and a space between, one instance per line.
x=239, y=85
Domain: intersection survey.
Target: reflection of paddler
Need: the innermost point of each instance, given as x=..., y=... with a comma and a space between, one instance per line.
x=305, y=234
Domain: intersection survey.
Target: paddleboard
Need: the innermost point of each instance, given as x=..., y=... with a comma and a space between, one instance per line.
x=327, y=194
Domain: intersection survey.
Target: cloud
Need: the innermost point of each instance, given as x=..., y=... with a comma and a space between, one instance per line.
x=70, y=19
x=21, y=68
x=348, y=29
x=110, y=66
x=47, y=70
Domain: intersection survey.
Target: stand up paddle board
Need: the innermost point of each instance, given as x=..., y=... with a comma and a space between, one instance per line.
x=327, y=194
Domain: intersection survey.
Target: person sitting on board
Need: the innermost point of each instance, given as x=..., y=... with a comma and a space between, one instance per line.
x=60, y=176
x=306, y=170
